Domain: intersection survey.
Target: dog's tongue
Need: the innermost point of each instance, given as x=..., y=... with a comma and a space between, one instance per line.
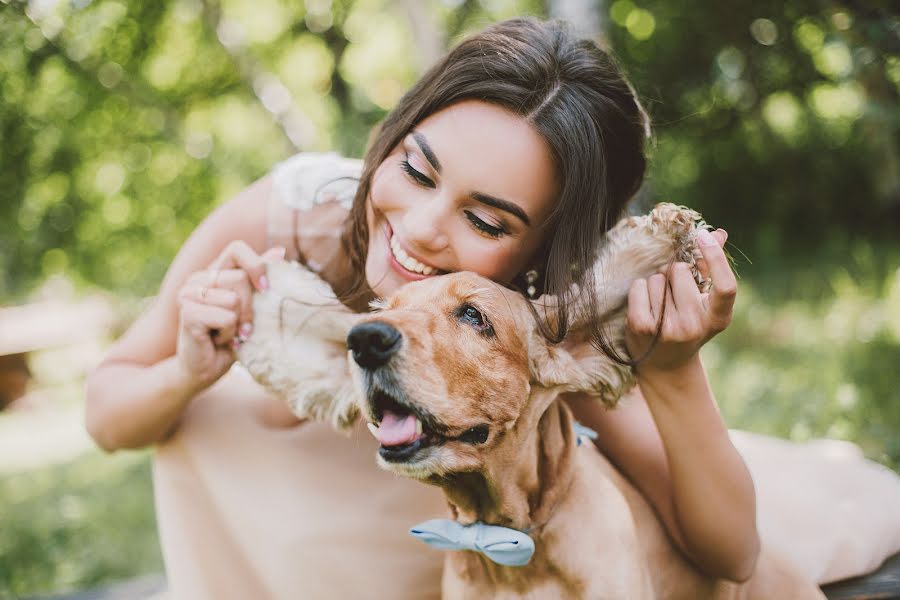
x=396, y=430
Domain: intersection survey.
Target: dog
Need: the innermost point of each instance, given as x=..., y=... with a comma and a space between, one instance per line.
x=462, y=391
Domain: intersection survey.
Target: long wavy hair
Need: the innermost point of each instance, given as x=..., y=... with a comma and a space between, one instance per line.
x=575, y=96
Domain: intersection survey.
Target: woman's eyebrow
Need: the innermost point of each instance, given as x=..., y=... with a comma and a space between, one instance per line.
x=504, y=205
x=498, y=203
x=426, y=150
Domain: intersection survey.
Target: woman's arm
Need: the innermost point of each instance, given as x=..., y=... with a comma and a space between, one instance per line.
x=137, y=394
x=668, y=438
x=691, y=475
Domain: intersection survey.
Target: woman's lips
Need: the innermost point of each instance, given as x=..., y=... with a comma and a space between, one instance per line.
x=394, y=245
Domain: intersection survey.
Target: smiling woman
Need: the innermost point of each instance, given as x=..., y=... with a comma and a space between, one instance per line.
x=446, y=199
x=511, y=156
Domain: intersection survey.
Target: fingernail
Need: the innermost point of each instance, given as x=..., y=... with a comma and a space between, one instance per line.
x=246, y=329
x=263, y=283
x=723, y=232
x=706, y=238
x=275, y=254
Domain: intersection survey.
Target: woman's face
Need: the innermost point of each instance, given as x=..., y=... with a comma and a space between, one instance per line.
x=469, y=189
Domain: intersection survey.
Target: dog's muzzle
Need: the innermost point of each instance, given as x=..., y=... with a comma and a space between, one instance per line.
x=373, y=343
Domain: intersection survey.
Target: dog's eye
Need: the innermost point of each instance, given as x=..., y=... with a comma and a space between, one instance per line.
x=471, y=314
x=475, y=435
x=473, y=317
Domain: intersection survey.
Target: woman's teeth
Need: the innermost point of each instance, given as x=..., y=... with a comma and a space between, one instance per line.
x=408, y=262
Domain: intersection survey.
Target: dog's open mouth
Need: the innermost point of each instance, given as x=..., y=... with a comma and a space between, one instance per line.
x=401, y=430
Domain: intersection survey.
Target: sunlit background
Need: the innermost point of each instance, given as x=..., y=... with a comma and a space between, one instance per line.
x=123, y=123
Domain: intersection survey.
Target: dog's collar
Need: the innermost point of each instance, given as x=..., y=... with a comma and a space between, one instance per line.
x=582, y=431
x=503, y=545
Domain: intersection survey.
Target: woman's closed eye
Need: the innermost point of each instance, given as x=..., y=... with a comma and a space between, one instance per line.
x=485, y=227
x=416, y=176
x=482, y=226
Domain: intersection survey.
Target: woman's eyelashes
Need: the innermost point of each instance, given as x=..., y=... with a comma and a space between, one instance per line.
x=483, y=227
x=415, y=175
x=478, y=223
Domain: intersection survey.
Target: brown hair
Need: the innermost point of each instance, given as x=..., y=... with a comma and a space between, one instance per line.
x=575, y=96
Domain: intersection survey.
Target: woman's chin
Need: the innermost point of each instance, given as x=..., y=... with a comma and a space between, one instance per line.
x=383, y=281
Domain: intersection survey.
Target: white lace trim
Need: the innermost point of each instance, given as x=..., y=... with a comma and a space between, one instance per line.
x=307, y=179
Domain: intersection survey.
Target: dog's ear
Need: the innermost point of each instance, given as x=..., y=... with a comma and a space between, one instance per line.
x=298, y=348
x=636, y=247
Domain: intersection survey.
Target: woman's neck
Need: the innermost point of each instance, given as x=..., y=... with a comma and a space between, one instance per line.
x=321, y=245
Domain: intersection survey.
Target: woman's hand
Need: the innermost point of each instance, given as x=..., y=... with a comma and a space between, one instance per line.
x=215, y=311
x=690, y=318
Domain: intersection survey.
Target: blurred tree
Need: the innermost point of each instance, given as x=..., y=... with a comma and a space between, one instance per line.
x=123, y=123
x=778, y=120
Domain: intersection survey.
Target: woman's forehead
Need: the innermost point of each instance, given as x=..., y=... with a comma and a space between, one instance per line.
x=484, y=148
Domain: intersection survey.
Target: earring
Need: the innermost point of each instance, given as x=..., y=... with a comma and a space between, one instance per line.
x=531, y=278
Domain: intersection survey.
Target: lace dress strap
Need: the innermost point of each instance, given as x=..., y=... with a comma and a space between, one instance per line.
x=299, y=185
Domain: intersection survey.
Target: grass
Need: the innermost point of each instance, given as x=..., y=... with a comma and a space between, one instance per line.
x=77, y=525
x=826, y=367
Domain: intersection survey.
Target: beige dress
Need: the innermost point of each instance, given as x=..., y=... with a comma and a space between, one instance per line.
x=251, y=510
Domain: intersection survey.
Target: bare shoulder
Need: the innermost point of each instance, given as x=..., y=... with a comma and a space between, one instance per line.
x=244, y=217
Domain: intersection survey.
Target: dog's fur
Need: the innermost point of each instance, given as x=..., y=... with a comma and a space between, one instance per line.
x=595, y=535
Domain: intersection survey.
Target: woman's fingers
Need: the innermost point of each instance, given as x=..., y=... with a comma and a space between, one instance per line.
x=688, y=303
x=199, y=318
x=640, y=316
x=238, y=254
x=684, y=288
x=222, y=298
x=724, y=284
x=721, y=236
x=656, y=291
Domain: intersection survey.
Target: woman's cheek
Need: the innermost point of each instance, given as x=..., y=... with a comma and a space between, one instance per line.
x=387, y=189
x=497, y=264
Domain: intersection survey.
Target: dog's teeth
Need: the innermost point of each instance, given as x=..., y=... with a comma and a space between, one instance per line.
x=418, y=427
x=373, y=428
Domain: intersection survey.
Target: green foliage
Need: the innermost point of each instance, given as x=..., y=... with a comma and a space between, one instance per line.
x=77, y=525
x=799, y=369
x=123, y=123
x=778, y=121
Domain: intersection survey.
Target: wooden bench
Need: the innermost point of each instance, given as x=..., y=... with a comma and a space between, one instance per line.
x=45, y=326
x=883, y=584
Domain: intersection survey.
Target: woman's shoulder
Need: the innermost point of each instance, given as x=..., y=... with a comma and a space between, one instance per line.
x=310, y=178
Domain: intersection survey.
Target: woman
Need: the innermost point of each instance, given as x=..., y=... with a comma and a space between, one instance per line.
x=511, y=157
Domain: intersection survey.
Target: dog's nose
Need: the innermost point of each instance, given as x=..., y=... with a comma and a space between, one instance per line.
x=373, y=343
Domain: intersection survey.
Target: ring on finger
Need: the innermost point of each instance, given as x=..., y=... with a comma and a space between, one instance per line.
x=214, y=278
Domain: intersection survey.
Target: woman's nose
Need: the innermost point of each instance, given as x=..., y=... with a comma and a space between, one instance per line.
x=426, y=225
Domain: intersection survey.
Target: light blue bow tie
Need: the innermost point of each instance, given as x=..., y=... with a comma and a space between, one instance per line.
x=582, y=431
x=504, y=546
